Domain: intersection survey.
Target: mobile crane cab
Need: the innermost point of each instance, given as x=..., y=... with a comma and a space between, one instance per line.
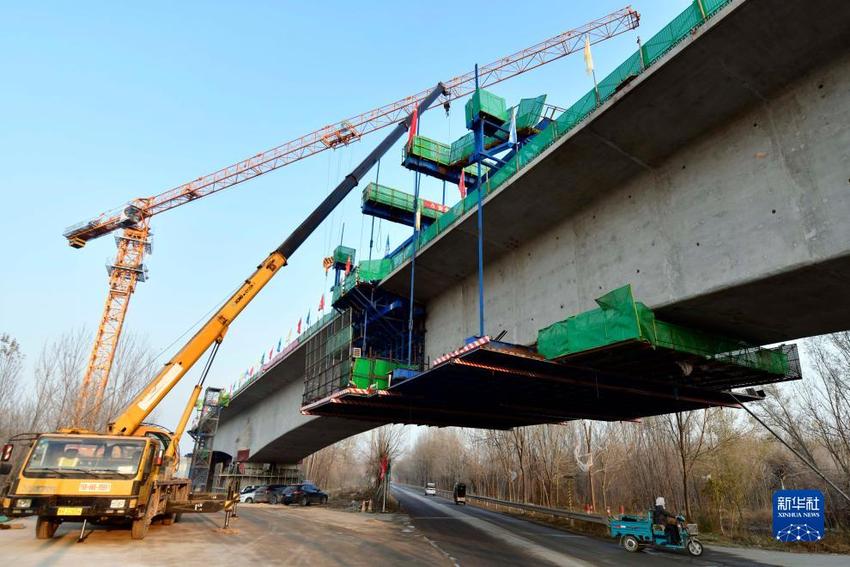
x=76, y=475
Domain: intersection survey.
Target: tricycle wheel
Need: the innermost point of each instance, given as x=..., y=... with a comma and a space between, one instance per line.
x=695, y=547
x=631, y=544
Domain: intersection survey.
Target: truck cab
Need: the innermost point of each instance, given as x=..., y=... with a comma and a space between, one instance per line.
x=74, y=476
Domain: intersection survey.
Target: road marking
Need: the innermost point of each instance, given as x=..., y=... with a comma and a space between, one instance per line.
x=505, y=535
x=441, y=550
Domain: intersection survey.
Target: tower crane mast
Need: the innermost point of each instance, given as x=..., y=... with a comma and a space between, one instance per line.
x=133, y=218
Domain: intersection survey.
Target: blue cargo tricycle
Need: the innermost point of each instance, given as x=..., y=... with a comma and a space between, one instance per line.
x=636, y=532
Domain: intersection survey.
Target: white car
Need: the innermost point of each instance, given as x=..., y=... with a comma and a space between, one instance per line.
x=430, y=489
x=247, y=494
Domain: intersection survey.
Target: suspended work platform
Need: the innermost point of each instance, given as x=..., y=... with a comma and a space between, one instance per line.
x=499, y=385
x=615, y=362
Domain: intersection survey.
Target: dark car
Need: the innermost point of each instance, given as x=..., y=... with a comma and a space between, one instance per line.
x=304, y=494
x=270, y=493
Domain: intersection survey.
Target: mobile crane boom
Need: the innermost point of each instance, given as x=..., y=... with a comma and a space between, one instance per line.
x=215, y=328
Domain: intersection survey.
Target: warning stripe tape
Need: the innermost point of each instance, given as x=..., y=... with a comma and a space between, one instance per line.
x=466, y=348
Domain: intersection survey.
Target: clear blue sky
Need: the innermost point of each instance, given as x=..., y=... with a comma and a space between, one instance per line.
x=104, y=102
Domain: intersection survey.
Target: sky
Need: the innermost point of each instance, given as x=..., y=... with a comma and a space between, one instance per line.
x=103, y=102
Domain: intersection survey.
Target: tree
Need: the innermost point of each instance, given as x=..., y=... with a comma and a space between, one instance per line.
x=11, y=364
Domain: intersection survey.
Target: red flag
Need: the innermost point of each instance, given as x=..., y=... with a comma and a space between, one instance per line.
x=322, y=303
x=462, y=185
x=348, y=265
x=384, y=463
x=411, y=131
x=298, y=329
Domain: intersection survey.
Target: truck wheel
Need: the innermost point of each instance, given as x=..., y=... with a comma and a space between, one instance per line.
x=631, y=544
x=303, y=501
x=45, y=527
x=695, y=547
x=324, y=499
x=272, y=499
x=139, y=528
x=249, y=500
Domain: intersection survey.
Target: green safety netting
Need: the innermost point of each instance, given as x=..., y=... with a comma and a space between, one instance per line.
x=486, y=103
x=374, y=270
x=429, y=149
x=619, y=318
x=343, y=254
x=383, y=195
x=651, y=51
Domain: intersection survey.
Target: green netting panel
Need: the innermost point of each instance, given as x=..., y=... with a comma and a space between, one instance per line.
x=374, y=270
x=671, y=34
x=461, y=149
x=428, y=234
x=620, y=318
x=473, y=169
x=429, y=149
x=383, y=195
x=529, y=111
x=486, y=103
x=712, y=6
x=631, y=67
x=388, y=196
x=342, y=254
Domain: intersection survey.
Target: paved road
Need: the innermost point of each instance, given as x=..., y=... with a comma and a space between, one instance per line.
x=472, y=536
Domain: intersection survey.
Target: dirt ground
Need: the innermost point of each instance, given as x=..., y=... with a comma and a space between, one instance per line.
x=263, y=535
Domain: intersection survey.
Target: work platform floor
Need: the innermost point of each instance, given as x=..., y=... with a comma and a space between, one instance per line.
x=500, y=386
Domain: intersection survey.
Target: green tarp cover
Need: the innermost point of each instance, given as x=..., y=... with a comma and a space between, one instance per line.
x=620, y=318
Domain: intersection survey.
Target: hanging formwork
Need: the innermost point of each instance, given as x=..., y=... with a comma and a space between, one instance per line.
x=623, y=335
x=499, y=385
x=616, y=362
x=364, y=344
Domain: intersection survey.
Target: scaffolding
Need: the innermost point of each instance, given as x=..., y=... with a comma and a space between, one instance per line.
x=203, y=434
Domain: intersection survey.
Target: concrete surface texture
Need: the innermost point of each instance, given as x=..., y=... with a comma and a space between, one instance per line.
x=262, y=535
x=472, y=536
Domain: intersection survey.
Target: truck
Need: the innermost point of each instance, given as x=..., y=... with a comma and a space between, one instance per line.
x=127, y=473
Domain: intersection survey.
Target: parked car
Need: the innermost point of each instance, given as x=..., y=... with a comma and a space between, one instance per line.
x=247, y=494
x=430, y=489
x=303, y=494
x=270, y=493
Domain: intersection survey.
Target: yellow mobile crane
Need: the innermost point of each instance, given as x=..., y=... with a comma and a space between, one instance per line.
x=127, y=473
